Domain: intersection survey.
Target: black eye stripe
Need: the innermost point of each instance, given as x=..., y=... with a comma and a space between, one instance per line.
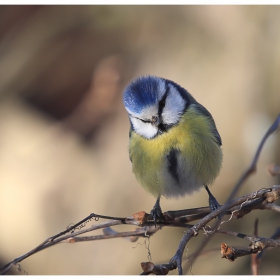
x=144, y=121
x=161, y=103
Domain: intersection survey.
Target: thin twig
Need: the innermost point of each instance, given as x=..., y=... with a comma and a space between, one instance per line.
x=272, y=206
x=231, y=253
x=275, y=235
x=187, y=212
x=161, y=269
x=83, y=222
x=141, y=232
x=258, y=244
x=51, y=242
x=254, y=262
x=78, y=228
x=177, y=258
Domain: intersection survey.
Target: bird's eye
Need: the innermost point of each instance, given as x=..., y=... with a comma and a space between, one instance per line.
x=144, y=121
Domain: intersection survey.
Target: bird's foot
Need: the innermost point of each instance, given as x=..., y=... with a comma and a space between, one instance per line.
x=213, y=203
x=156, y=212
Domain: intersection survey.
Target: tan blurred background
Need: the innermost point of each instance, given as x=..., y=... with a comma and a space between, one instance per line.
x=64, y=130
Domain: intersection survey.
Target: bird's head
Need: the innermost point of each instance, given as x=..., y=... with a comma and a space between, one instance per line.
x=154, y=105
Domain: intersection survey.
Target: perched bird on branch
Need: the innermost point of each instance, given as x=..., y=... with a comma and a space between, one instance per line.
x=175, y=147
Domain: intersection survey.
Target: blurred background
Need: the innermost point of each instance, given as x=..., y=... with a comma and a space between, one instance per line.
x=64, y=130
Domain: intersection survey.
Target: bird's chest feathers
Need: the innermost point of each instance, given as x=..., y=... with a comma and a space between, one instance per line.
x=184, y=157
x=192, y=138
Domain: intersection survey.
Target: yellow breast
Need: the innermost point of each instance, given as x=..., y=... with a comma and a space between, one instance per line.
x=199, y=157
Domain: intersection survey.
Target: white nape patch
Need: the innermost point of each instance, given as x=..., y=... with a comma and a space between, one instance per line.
x=174, y=106
x=147, y=130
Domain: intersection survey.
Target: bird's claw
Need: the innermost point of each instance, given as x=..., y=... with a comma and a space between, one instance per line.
x=156, y=213
x=213, y=203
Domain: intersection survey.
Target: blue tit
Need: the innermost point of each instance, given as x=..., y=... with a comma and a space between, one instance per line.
x=174, y=147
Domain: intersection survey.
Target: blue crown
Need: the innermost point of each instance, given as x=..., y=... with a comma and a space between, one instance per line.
x=142, y=92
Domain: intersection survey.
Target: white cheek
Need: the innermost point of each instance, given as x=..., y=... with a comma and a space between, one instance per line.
x=174, y=107
x=170, y=116
x=146, y=130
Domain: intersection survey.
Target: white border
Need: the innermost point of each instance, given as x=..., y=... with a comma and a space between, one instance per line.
x=139, y=2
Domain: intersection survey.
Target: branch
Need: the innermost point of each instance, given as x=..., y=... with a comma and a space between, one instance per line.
x=177, y=258
x=256, y=200
x=272, y=206
x=52, y=241
x=254, y=262
x=161, y=269
x=231, y=253
x=275, y=235
x=257, y=245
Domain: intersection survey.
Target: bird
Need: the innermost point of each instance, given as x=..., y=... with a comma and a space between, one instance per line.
x=174, y=145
